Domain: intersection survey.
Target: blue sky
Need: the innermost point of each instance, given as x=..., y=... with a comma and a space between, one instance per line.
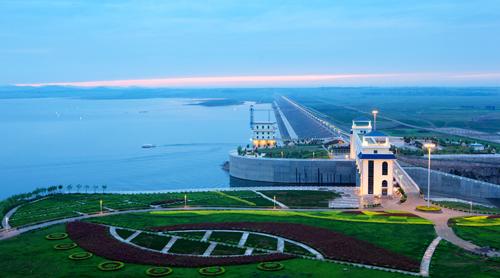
x=71, y=41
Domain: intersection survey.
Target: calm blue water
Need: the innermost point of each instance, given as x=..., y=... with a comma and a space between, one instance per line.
x=76, y=141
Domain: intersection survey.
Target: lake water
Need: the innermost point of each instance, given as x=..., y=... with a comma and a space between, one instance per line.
x=53, y=141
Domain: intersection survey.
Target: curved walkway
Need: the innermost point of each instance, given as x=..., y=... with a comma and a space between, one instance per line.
x=440, y=221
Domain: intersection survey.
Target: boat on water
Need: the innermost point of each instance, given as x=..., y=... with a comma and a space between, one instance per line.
x=148, y=146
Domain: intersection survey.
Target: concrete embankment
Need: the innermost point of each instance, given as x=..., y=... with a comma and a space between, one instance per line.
x=297, y=171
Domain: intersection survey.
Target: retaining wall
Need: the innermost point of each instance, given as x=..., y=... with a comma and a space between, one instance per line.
x=447, y=185
x=293, y=171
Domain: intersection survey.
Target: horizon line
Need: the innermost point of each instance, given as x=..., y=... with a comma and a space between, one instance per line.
x=365, y=79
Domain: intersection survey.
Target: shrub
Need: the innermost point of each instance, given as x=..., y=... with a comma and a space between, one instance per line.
x=110, y=265
x=429, y=209
x=80, y=256
x=56, y=236
x=65, y=246
x=212, y=271
x=158, y=271
x=270, y=266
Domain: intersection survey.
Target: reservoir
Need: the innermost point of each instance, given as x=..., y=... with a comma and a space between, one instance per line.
x=126, y=144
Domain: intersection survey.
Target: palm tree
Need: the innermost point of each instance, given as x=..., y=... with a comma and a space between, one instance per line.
x=60, y=187
x=95, y=188
x=69, y=187
x=104, y=188
x=86, y=188
x=78, y=187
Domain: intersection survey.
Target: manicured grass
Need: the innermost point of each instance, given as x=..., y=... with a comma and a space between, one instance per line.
x=151, y=241
x=295, y=249
x=480, y=235
x=226, y=237
x=467, y=207
x=124, y=233
x=68, y=205
x=223, y=250
x=190, y=247
x=451, y=261
x=17, y=259
x=302, y=198
x=399, y=238
x=304, y=152
x=193, y=235
x=263, y=242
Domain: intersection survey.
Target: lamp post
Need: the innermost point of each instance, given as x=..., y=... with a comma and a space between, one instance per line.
x=100, y=203
x=429, y=147
x=185, y=200
x=375, y=112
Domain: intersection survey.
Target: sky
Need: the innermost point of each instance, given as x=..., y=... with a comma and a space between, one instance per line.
x=250, y=43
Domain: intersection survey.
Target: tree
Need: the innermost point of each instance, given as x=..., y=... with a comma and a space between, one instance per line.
x=60, y=187
x=69, y=187
x=78, y=186
x=95, y=188
x=86, y=188
x=104, y=188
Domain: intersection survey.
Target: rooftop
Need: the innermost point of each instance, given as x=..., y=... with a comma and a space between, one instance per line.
x=375, y=134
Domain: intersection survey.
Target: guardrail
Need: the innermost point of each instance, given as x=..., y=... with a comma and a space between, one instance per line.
x=404, y=180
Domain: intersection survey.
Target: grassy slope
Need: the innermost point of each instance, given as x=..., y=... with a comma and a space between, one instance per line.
x=466, y=207
x=396, y=237
x=17, y=259
x=66, y=205
x=480, y=235
x=451, y=261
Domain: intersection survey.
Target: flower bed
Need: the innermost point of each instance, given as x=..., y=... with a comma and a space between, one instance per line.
x=80, y=256
x=110, y=266
x=212, y=271
x=65, y=246
x=56, y=236
x=158, y=271
x=270, y=266
x=429, y=209
x=95, y=238
x=332, y=245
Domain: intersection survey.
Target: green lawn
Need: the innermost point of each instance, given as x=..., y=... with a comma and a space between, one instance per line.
x=222, y=250
x=124, y=233
x=191, y=247
x=151, y=241
x=226, y=237
x=31, y=255
x=295, y=249
x=263, y=242
x=466, y=207
x=70, y=205
x=399, y=238
x=481, y=230
x=302, y=198
x=451, y=261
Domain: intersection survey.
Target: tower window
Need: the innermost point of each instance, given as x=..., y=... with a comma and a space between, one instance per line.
x=384, y=183
x=385, y=168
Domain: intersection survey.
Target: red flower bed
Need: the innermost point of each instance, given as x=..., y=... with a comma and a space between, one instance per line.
x=332, y=245
x=96, y=239
x=494, y=216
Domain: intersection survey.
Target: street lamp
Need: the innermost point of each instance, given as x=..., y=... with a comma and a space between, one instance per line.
x=375, y=112
x=429, y=147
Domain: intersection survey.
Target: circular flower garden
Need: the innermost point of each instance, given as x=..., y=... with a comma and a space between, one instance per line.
x=212, y=271
x=56, y=236
x=429, y=208
x=110, y=266
x=65, y=246
x=80, y=256
x=158, y=271
x=270, y=266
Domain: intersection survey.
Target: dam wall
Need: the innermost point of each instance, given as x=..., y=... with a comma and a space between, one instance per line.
x=336, y=172
x=451, y=186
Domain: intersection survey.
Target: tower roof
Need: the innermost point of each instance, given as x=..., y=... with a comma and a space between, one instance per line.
x=375, y=134
x=361, y=119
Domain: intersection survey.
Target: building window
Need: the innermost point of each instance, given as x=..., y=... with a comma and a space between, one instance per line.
x=384, y=183
x=375, y=151
x=370, y=176
x=385, y=168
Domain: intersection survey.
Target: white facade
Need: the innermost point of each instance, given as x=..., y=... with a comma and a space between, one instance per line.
x=264, y=134
x=371, y=150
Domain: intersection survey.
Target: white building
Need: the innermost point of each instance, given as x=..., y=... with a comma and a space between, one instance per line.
x=264, y=134
x=477, y=147
x=374, y=160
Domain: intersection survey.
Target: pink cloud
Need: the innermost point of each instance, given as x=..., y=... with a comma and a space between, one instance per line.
x=280, y=80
